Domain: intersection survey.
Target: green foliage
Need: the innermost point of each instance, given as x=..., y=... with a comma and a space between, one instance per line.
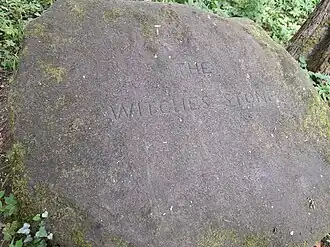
x=280, y=18
x=14, y=15
x=9, y=230
x=34, y=235
x=326, y=241
x=321, y=81
x=8, y=205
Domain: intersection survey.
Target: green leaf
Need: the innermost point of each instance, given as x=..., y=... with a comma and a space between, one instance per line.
x=37, y=218
x=19, y=243
x=10, y=230
x=10, y=208
x=28, y=239
x=7, y=236
x=302, y=62
x=2, y=193
x=41, y=233
x=39, y=243
x=10, y=200
x=44, y=214
x=25, y=229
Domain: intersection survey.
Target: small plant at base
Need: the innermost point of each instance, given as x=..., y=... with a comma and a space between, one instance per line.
x=24, y=236
x=326, y=241
x=320, y=81
x=8, y=205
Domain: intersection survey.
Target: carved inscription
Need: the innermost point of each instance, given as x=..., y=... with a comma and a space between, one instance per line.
x=144, y=108
x=195, y=68
x=164, y=106
x=181, y=105
x=247, y=99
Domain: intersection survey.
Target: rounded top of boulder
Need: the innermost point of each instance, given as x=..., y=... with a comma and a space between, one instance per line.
x=152, y=124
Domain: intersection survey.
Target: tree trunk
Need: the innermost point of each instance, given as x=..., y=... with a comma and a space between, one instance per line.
x=313, y=39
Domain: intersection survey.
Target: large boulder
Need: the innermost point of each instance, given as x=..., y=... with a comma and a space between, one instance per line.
x=150, y=124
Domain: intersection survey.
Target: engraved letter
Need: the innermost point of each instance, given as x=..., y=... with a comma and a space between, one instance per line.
x=174, y=104
x=271, y=96
x=204, y=99
x=261, y=97
x=228, y=98
x=139, y=107
x=192, y=104
x=150, y=110
x=114, y=113
x=123, y=109
x=164, y=106
x=194, y=67
x=204, y=69
x=182, y=66
x=249, y=97
x=184, y=104
x=238, y=100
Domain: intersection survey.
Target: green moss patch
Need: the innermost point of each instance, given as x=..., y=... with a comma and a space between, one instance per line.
x=218, y=238
x=327, y=157
x=111, y=15
x=14, y=102
x=78, y=239
x=77, y=9
x=53, y=72
x=119, y=242
x=256, y=241
x=37, y=30
x=69, y=222
x=228, y=237
x=169, y=14
x=147, y=30
x=304, y=244
x=317, y=118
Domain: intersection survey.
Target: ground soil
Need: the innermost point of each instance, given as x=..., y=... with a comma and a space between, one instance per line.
x=4, y=131
x=4, y=140
x=3, y=109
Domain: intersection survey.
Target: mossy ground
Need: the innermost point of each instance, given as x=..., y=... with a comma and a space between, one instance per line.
x=317, y=118
x=229, y=237
x=111, y=15
x=68, y=221
x=53, y=72
x=77, y=8
x=327, y=157
x=256, y=241
x=119, y=242
x=78, y=238
x=218, y=238
x=37, y=31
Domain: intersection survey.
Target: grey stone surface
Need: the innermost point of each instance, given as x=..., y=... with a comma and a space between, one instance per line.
x=168, y=126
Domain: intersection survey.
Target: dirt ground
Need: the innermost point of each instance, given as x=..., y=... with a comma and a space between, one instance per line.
x=4, y=133
x=3, y=109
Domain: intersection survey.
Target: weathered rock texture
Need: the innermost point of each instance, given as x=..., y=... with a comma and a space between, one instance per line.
x=148, y=124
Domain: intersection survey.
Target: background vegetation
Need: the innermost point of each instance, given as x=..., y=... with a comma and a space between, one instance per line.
x=14, y=15
x=280, y=18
